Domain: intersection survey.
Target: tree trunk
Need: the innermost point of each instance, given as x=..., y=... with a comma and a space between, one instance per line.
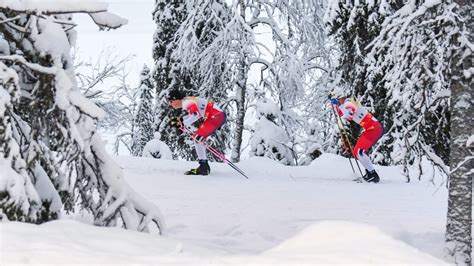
x=240, y=98
x=459, y=217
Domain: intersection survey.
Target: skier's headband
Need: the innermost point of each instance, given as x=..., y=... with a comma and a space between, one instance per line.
x=341, y=100
x=175, y=95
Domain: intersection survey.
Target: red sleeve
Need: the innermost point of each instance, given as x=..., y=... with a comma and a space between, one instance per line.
x=192, y=108
x=339, y=112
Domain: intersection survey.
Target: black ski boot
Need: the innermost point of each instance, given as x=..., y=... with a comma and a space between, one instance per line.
x=371, y=176
x=203, y=169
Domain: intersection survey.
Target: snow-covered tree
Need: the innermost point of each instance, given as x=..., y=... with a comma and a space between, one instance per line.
x=412, y=55
x=143, y=124
x=354, y=25
x=19, y=200
x=167, y=73
x=197, y=54
x=51, y=155
x=459, y=222
x=269, y=138
x=288, y=64
x=396, y=60
x=296, y=76
x=105, y=82
x=95, y=75
x=157, y=149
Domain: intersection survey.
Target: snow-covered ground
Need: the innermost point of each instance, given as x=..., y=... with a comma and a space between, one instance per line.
x=280, y=216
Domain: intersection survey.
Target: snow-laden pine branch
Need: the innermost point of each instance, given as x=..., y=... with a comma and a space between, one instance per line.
x=59, y=159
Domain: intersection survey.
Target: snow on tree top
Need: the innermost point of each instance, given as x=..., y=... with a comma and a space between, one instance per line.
x=108, y=20
x=52, y=31
x=55, y=6
x=97, y=10
x=267, y=107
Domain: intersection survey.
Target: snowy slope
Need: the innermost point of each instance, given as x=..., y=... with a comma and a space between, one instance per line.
x=281, y=215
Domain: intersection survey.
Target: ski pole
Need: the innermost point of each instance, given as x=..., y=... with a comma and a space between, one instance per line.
x=222, y=157
x=216, y=153
x=345, y=138
x=346, y=135
x=342, y=139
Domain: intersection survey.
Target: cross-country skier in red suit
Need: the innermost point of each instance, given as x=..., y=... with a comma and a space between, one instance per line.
x=351, y=110
x=197, y=108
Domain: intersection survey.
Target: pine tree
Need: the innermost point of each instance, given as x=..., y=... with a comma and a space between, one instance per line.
x=49, y=143
x=459, y=217
x=194, y=39
x=354, y=25
x=168, y=74
x=412, y=55
x=143, y=123
x=20, y=202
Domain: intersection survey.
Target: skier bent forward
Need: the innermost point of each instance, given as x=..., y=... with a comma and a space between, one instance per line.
x=351, y=110
x=198, y=108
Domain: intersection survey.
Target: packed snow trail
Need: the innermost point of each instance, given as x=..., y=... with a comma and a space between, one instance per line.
x=281, y=215
x=228, y=213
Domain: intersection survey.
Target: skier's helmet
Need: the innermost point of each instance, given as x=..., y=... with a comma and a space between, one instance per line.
x=338, y=93
x=175, y=94
x=337, y=96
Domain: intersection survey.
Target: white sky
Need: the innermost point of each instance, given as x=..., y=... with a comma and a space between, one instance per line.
x=135, y=38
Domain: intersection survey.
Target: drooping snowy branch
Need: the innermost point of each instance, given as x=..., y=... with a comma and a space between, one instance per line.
x=54, y=6
x=412, y=53
x=49, y=139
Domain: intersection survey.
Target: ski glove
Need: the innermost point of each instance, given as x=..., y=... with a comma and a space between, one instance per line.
x=176, y=121
x=332, y=99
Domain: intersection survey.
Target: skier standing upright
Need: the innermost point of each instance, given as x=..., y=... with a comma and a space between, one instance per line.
x=351, y=110
x=198, y=108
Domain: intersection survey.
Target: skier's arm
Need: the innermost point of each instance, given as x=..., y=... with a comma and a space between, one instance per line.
x=339, y=112
x=346, y=110
x=193, y=113
x=189, y=119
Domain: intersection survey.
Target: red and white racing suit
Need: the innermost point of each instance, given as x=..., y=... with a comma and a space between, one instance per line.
x=212, y=114
x=352, y=110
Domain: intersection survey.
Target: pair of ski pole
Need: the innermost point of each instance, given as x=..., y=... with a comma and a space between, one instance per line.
x=344, y=138
x=214, y=151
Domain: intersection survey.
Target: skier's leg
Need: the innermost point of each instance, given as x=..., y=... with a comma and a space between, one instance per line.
x=203, y=168
x=365, y=160
x=368, y=138
x=200, y=151
x=211, y=124
x=207, y=128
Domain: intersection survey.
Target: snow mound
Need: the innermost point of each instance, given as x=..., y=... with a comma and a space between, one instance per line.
x=322, y=243
x=348, y=243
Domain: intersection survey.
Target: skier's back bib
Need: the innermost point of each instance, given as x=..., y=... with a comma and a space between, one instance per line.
x=202, y=106
x=353, y=110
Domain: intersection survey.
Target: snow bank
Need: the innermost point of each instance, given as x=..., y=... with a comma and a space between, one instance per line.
x=348, y=243
x=323, y=243
x=282, y=215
